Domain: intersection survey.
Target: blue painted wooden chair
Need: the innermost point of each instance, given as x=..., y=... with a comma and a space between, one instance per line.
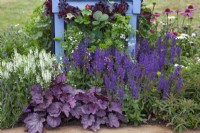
x=133, y=11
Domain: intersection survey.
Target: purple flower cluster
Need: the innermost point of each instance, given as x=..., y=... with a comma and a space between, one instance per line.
x=118, y=70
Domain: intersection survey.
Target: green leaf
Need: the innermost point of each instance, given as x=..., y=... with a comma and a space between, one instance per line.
x=104, y=17
x=57, y=39
x=97, y=15
x=95, y=22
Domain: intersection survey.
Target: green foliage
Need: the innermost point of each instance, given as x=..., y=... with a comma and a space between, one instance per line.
x=16, y=77
x=38, y=28
x=102, y=31
x=134, y=110
x=13, y=38
x=181, y=113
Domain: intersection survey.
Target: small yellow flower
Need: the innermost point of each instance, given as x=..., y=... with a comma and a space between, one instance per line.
x=154, y=89
x=158, y=73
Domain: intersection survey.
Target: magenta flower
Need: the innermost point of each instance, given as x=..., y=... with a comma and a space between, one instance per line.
x=167, y=11
x=156, y=14
x=187, y=12
x=191, y=8
x=178, y=11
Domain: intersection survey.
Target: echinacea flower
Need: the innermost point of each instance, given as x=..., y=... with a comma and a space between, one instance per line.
x=167, y=11
x=187, y=12
x=191, y=8
x=178, y=11
x=156, y=14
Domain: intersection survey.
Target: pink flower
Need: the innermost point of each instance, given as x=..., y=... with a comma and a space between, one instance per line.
x=187, y=12
x=156, y=14
x=167, y=11
x=191, y=8
x=178, y=11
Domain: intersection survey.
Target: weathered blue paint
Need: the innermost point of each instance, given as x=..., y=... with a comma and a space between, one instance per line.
x=133, y=11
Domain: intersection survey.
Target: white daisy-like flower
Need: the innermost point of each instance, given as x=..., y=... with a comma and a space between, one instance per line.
x=182, y=36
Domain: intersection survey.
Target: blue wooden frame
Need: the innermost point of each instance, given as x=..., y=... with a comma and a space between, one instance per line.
x=133, y=11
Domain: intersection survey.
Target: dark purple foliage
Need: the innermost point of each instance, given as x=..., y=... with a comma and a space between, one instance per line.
x=62, y=101
x=34, y=123
x=53, y=121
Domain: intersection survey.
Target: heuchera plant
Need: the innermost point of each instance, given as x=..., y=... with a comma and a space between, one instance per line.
x=61, y=102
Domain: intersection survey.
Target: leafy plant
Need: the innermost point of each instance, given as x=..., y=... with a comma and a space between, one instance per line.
x=180, y=113
x=17, y=75
x=62, y=102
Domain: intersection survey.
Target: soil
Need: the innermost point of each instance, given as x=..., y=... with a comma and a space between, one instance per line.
x=127, y=129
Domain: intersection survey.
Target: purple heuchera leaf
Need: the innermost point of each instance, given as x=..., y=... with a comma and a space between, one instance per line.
x=116, y=107
x=34, y=123
x=89, y=108
x=72, y=101
x=53, y=121
x=61, y=78
x=96, y=125
x=54, y=109
x=37, y=94
x=113, y=120
x=87, y=120
x=101, y=113
x=76, y=112
x=67, y=89
x=102, y=104
x=66, y=109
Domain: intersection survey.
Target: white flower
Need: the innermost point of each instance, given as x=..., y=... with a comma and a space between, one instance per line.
x=122, y=36
x=182, y=36
x=171, y=17
x=193, y=34
x=176, y=65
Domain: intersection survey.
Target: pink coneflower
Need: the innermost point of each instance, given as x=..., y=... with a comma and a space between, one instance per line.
x=191, y=8
x=187, y=12
x=167, y=11
x=156, y=14
x=178, y=11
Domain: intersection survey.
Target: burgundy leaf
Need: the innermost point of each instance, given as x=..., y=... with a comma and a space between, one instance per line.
x=87, y=120
x=113, y=120
x=116, y=107
x=53, y=121
x=66, y=109
x=54, y=109
x=34, y=123
x=61, y=78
